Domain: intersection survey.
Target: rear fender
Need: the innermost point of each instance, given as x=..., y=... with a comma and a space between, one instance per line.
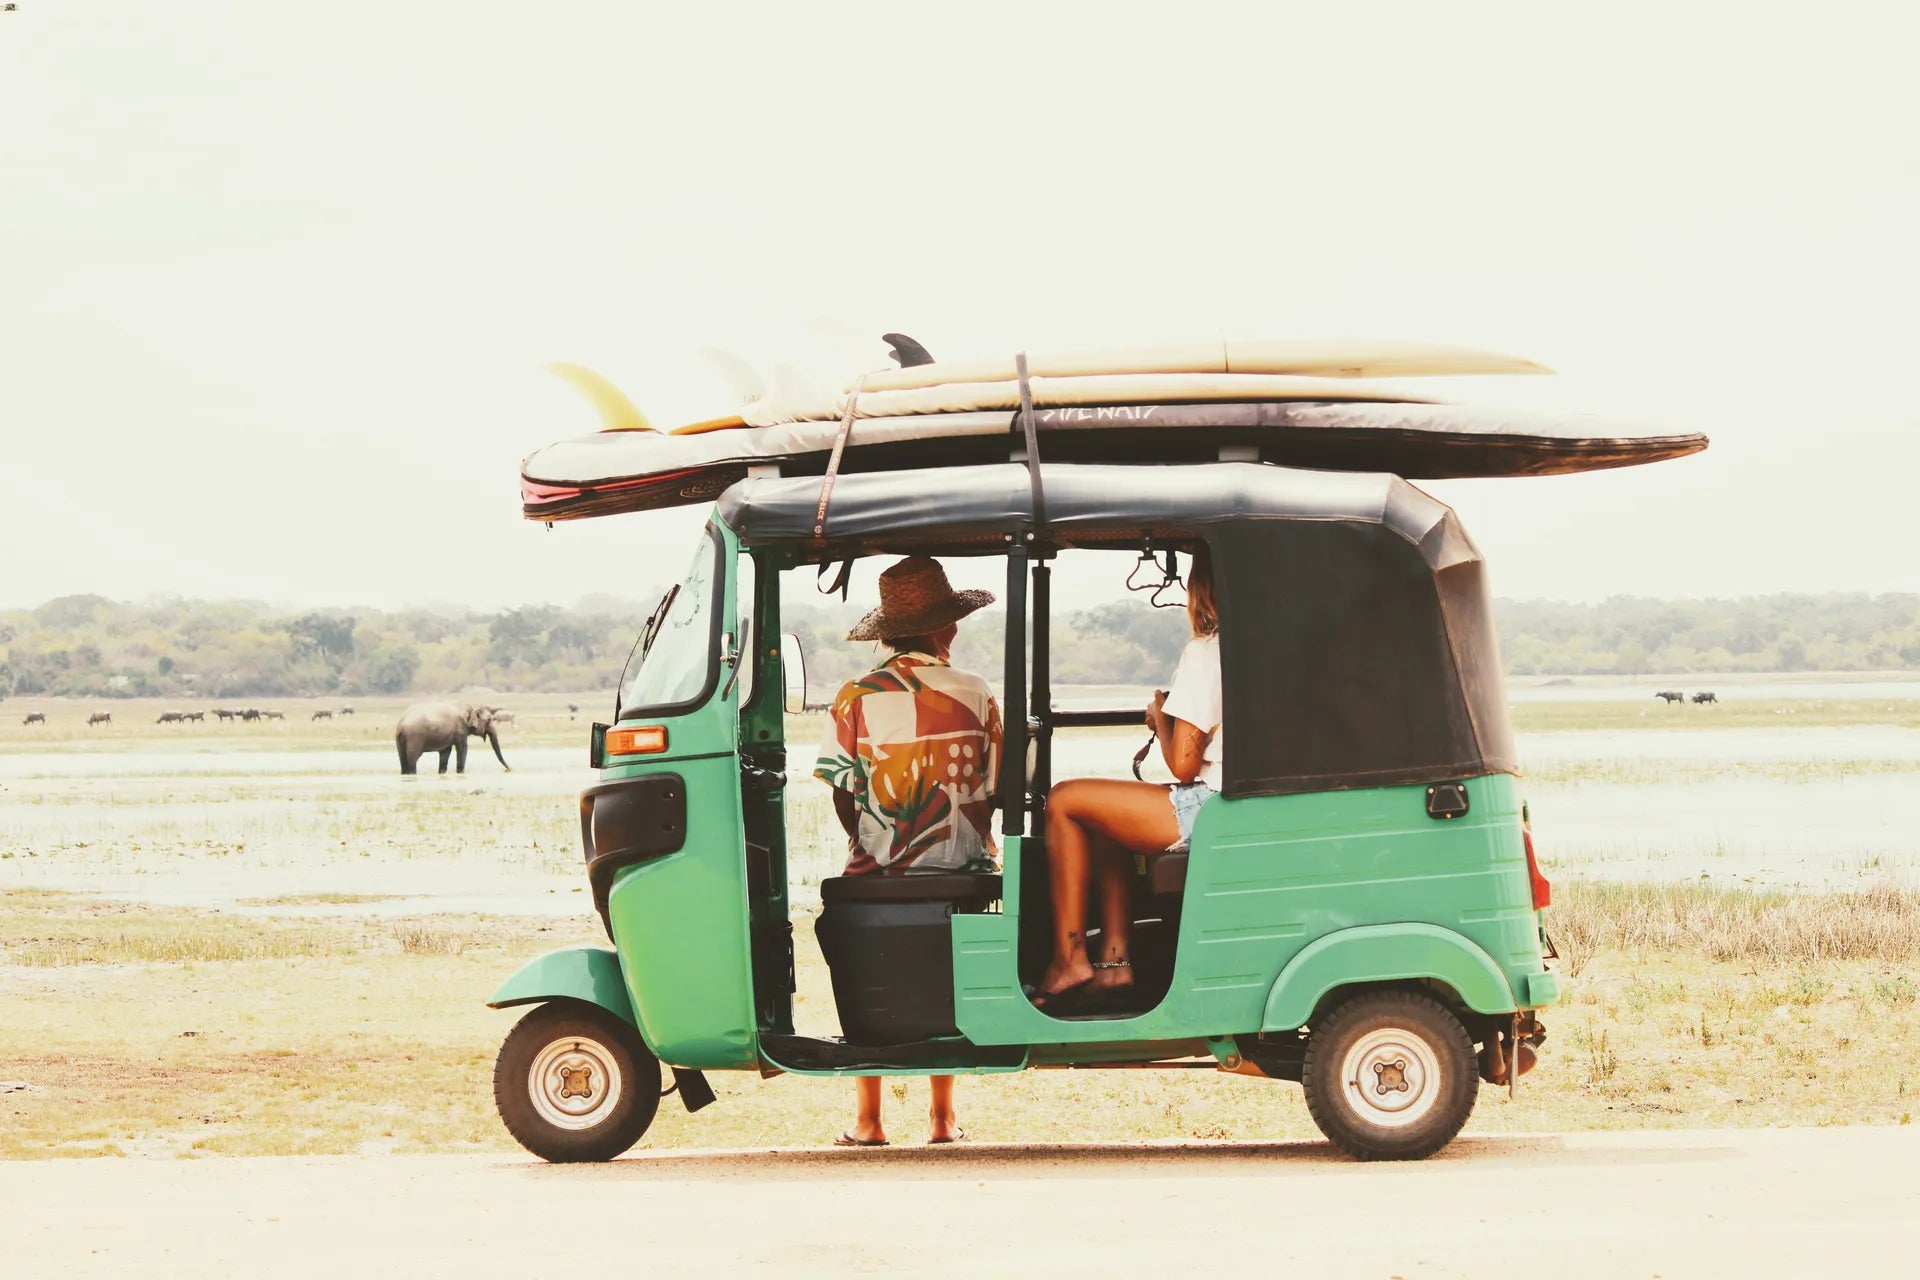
x=1380, y=953
x=590, y=974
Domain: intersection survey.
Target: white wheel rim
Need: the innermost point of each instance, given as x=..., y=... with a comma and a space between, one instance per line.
x=1391, y=1078
x=574, y=1083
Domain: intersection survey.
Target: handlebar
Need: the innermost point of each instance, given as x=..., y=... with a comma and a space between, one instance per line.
x=1099, y=719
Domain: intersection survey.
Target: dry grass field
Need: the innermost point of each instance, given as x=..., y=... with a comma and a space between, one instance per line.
x=139, y=1030
x=257, y=938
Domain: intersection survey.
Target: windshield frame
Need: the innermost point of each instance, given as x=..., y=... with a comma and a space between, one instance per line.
x=716, y=607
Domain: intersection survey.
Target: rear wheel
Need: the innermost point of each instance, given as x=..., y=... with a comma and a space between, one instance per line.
x=573, y=1082
x=1390, y=1075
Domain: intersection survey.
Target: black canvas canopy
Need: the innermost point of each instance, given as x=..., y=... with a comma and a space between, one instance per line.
x=1357, y=639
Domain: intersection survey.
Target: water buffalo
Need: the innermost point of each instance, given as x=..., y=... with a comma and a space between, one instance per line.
x=1671, y=695
x=198, y=717
x=99, y=717
x=271, y=715
x=444, y=727
x=323, y=715
x=1705, y=696
x=35, y=717
x=171, y=717
x=346, y=711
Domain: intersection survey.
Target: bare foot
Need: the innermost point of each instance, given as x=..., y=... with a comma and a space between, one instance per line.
x=864, y=1135
x=1059, y=977
x=1113, y=978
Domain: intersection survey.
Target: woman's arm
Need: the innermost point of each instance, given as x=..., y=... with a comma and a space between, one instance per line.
x=1182, y=746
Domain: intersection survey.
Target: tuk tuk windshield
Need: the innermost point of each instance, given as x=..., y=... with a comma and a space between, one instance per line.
x=677, y=651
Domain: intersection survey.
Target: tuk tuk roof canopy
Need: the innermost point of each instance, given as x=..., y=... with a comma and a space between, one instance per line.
x=1356, y=629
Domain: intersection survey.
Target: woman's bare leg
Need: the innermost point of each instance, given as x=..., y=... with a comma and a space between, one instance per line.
x=941, y=1124
x=1129, y=817
x=866, y=1126
x=1113, y=870
x=1069, y=864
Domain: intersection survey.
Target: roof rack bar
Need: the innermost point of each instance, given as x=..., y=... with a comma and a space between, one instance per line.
x=1013, y=720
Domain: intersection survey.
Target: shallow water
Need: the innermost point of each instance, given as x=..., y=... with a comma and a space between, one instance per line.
x=1727, y=689
x=1802, y=808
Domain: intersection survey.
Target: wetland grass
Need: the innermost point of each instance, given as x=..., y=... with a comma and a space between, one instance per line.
x=1879, y=924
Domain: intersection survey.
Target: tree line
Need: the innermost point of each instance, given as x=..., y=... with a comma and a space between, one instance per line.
x=89, y=646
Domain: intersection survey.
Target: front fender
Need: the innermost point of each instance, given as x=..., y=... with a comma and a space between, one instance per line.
x=1385, y=953
x=591, y=974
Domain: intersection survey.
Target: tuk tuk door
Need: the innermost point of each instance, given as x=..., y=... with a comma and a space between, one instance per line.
x=679, y=919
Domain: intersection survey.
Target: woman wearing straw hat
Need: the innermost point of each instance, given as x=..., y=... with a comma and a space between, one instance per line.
x=911, y=754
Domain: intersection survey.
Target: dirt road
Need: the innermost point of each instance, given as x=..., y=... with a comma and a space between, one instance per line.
x=1751, y=1203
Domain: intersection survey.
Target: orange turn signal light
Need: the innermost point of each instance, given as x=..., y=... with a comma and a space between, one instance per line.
x=637, y=742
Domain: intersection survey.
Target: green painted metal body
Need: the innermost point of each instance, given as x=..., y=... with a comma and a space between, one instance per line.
x=1288, y=901
x=590, y=974
x=680, y=923
x=1289, y=898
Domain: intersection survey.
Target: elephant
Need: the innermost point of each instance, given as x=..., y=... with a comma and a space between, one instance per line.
x=444, y=727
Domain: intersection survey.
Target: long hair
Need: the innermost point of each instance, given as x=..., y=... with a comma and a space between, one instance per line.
x=1203, y=613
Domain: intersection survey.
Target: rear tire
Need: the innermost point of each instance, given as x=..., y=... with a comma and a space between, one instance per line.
x=1390, y=1075
x=575, y=1083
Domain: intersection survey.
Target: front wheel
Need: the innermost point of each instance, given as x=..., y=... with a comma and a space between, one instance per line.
x=574, y=1083
x=1390, y=1075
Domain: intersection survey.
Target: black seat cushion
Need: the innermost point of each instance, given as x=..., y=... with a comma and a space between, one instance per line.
x=965, y=889
x=1167, y=873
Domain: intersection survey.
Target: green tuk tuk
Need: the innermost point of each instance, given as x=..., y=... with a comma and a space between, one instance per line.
x=1360, y=910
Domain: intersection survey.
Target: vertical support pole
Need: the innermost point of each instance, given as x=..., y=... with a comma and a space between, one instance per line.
x=1041, y=708
x=1013, y=731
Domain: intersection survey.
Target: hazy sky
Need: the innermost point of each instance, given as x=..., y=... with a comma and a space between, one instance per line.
x=277, y=281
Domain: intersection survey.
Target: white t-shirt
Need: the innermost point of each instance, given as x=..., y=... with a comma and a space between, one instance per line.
x=1195, y=697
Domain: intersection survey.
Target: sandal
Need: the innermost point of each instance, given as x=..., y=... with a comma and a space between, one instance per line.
x=1067, y=1001
x=959, y=1135
x=848, y=1140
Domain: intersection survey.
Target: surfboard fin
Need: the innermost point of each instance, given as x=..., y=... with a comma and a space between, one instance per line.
x=616, y=411
x=742, y=379
x=906, y=351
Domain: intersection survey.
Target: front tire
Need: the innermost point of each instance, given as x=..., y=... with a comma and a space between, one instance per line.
x=1390, y=1075
x=575, y=1083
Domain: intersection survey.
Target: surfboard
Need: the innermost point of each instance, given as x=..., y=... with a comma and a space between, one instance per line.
x=1356, y=358
x=788, y=396
x=620, y=471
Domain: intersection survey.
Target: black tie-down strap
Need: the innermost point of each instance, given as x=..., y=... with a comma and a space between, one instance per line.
x=1033, y=444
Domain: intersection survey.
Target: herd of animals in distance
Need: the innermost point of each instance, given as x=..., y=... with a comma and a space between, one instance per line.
x=426, y=728
x=1671, y=696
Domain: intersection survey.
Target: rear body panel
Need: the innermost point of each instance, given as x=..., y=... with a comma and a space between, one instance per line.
x=1272, y=877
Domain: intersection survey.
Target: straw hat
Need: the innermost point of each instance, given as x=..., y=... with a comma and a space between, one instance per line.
x=916, y=598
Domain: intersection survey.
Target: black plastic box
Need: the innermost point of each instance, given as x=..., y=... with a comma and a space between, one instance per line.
x=888, y=943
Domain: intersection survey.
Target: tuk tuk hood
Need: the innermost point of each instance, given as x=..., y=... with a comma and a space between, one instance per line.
x=1356, y=628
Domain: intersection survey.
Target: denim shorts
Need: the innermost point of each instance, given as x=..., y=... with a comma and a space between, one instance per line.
x=1187, y=798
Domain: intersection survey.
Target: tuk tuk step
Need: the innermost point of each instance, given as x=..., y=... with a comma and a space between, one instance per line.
x=803, y=1054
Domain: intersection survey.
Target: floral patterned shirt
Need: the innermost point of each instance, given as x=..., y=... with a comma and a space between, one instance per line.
x=917, y=745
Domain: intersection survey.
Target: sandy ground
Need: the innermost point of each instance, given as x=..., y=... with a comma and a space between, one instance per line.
x=1755, y=1203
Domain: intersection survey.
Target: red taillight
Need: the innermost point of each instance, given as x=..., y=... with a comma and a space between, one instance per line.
x=1542, y=891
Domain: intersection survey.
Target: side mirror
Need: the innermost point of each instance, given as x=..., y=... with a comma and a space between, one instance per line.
x=793, y=672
